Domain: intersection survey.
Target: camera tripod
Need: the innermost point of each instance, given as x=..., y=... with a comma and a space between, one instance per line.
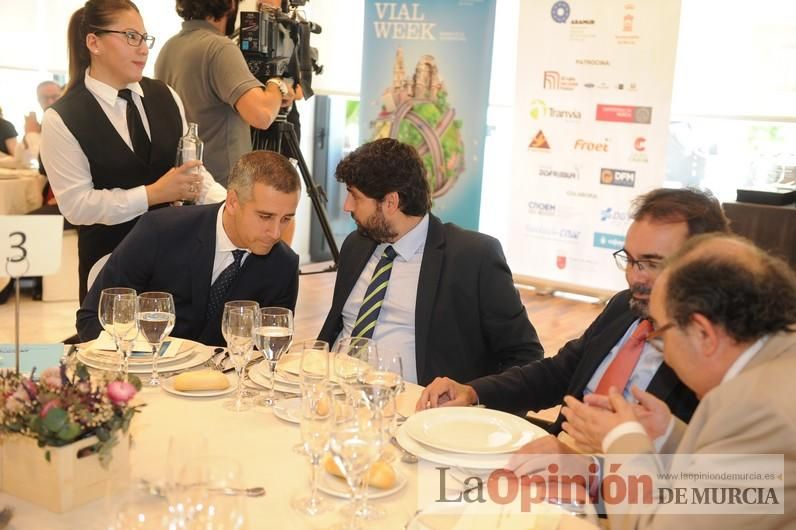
x=281, y=138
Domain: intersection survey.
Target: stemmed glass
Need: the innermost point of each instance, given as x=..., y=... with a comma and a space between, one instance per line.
x=387, y=375
x=314, y=369
x=105, y=310
x=125, y=327
x=355, y=445
x=203, y=491
x=155, y=316
x=239, y=323
x=317, y=419
x=273, y=338
x=352, y=358
x=256, y=307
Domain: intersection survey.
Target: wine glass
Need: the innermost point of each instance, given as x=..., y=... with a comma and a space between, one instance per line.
x=156, y=316
x=245, y=393
x=105, y=309
x=203, y=493
x=386, y=378
x=125, y=327
x=273, y=338
x=317, y=419
x=239, y=323
x=314, y=367
x=138, y=507
x=355, y=445
x=352, y=357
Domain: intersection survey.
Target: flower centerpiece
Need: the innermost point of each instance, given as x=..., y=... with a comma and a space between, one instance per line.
x=57, y=410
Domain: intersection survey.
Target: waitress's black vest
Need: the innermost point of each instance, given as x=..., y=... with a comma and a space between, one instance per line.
x=113, y=164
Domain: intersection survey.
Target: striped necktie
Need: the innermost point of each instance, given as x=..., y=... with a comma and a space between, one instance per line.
x=374, y=296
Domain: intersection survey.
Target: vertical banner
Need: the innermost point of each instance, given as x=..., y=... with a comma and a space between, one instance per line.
x=425, y=81
x=594, y=84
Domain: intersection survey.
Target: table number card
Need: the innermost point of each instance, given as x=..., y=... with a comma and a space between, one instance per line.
x=30, y=245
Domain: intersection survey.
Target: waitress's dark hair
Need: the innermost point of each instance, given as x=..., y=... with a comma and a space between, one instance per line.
x=93, y=15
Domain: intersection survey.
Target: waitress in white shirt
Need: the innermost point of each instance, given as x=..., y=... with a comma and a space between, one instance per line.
x=109, y=143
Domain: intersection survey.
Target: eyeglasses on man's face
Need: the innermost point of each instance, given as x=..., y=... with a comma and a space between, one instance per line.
x=655, y=339
x=133, y=37
x=624, y=260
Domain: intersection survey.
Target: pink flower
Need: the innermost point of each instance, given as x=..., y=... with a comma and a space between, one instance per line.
x=120, y=392
x=55, y=403
x=30, y=386
x=51, y=377
x=16, y=402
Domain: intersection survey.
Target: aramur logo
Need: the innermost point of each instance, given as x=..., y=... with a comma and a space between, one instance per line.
x=560, y=12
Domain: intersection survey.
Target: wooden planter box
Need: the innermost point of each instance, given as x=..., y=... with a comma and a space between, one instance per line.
x=64, y=482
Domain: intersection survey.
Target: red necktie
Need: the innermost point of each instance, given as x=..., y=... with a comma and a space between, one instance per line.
x=620, y=369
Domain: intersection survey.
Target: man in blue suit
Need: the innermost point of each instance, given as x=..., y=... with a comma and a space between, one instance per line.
x=207, y=255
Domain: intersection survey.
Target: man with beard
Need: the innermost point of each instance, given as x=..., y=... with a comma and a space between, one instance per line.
x=209, y=73
x=612, y=351
x=439, y=296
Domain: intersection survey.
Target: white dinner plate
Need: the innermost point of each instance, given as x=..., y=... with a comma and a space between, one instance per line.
x=490, y=462
x=197, y=354
x=471, y=430
x=338, y=487
x=288, y=409
x=261, y=380
x=168, y=386
x=103, y=350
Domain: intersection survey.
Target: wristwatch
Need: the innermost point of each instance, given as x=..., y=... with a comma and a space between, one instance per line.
x=279, y=84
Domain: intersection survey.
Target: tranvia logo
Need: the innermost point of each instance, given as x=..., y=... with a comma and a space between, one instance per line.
x=539, y=110
x=560, y=12
x=609, y=241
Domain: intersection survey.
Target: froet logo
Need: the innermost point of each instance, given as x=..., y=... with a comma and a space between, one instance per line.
x=585, y=145
x=609, y=241
x=539, y=142
x=623, y=113
x=618, y=177
x=539, y=110
x=541, y=208
x=560, y=12
x=553, y=80
x=555, y=173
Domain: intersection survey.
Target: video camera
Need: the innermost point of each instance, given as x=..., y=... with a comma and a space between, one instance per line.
x=276, y=43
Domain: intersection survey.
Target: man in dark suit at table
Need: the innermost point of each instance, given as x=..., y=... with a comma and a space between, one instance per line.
x=207, y=255
x=612, y=351
x=440, y=296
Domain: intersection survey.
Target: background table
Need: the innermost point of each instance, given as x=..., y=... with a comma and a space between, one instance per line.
x=20, y=191
x=772, y=228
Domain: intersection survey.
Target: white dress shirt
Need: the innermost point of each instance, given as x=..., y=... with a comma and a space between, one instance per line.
x=69, y=172
x=395, y=327
x=224, y=247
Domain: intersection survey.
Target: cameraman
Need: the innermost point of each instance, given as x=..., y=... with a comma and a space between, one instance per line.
x=220, y=94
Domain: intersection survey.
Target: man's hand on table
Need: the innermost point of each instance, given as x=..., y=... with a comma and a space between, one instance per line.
x=444, y=392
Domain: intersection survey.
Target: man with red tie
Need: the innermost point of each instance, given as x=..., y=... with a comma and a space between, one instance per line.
x=612, y=351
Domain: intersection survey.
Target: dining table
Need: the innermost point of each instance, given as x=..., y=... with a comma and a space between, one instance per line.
x=262, y=443
x=20, y=190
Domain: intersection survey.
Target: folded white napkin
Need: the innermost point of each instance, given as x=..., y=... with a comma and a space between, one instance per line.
x=141, y=349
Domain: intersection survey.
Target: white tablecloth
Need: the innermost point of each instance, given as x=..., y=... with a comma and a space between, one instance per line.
x=260, y=441
x=20, y=191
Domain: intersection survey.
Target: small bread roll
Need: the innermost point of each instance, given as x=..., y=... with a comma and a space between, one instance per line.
x=201, y=380
x=381, y=474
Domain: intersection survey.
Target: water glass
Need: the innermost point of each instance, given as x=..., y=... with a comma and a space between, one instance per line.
x=239, y=323
x=125, y=327
x=317, y=420
x=245, y=393
x=107, y=299
x=273, y=338
x=352, y=358
x=155, y=316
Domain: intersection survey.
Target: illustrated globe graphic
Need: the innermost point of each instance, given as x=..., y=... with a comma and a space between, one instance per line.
x=416, y=112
